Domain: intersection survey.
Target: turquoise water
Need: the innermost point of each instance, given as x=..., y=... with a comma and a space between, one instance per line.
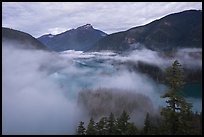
x=193, y=94
x=192, y=90
x=89, y=73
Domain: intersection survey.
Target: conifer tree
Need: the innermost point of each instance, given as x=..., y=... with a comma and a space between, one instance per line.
x=101, y=126
x=147, y=126
x=131, y=129
x=81, y=129
x=111, y=124
x=200, y=123
x=91, y=128
x=178, y=112
x=122, y=123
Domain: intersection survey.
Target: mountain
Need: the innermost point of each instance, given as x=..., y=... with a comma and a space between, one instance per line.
x=81, y=38
x=183, y=29
x=21, y=39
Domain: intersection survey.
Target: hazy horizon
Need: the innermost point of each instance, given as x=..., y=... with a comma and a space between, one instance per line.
x=39, y=18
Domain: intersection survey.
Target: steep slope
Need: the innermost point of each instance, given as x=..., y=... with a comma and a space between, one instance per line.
x=183, y=29
x=21, y=39
x=81, y=38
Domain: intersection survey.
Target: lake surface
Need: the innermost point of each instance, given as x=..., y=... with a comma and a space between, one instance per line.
x=99, y=71
x=192, y=90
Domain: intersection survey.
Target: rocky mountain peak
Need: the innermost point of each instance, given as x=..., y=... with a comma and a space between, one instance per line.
x=87, y=26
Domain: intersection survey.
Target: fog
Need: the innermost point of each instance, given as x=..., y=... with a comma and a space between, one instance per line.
x=32, y=103
x=40, y=89
x=102, y=101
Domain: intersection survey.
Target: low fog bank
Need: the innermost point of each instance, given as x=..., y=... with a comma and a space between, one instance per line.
x=40, y=89
x=188, y=57
x=31, y=102
x=149, y=62
x=101, y=102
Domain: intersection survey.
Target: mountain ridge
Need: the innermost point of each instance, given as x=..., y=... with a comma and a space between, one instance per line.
x=182, y=29
x=23, y=39
x=177, y=30
x=81, y=38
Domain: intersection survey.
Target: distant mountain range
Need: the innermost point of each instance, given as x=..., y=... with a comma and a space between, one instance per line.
x=178, y=30
x=21, y=39
x=183, y=29
x=83, y=38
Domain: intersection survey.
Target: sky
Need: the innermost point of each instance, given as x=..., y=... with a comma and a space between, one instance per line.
x=39, y=18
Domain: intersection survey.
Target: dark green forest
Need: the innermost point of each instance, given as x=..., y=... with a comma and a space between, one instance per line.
x=177, y=118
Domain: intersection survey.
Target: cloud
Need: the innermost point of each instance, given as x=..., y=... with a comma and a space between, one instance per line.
x=40, y=89
x=38, y=18
x=39, y=96
x=32, y=103
x=188, y=57
x=102, y=101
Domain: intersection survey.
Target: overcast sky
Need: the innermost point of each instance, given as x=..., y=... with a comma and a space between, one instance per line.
x=39, y=18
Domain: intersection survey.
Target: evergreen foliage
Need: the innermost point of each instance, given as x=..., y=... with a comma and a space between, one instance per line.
x=177, y=115
x=91, y=129
x=176, y=118
x=81, y=129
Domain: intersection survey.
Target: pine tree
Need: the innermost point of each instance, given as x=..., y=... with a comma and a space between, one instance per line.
x=147, y=126
x=121, y=124
x=131, y=129
x=178, y=112
x=200, y=123
x=101, y=126
x=81, y=130
x=111, y=124
x=91, y=129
